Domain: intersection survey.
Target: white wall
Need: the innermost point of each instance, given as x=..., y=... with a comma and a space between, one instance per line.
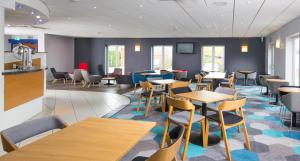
x=283, y=33
x=60, y=53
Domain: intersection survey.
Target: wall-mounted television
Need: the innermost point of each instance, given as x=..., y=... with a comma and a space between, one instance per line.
x=185, y=48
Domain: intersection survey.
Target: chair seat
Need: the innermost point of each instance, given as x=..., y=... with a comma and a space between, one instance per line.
x=140, y=158
x=229, y=118
x=207, y=81
x=184, y=117
x=155, y=93
x=202, y=84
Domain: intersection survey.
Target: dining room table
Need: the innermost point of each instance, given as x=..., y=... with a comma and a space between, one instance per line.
x=216, y=77
x=291, y=90
x=100, y=139
x=205, y=97
x=246, y=73
x=165, y=83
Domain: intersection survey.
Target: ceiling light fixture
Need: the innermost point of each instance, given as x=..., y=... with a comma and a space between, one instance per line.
x=95, y=7
x=8, y=25
x=32, y=13
x=38, y=17
x=137, y=47
x=219, y=4
x=141, y=6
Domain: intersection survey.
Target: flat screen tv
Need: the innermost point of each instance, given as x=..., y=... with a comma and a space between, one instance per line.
x=185, y=48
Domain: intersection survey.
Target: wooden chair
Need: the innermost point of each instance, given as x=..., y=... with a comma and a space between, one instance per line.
x=186, y=118
x=11, y=136
x=169, y=153
x=229, y=83
x=149, y=93
x=179, y=84
x=200, y=84
x=228, y=119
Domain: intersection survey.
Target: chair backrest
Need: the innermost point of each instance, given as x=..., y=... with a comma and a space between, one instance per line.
x=181, y=104
x=53, y=70
x=77, y=75
x=231, y=105
x=252, y=75
x=199, y=78
x=118, y=71
x=225, y=90
x=180, y=75
x=101, y=70
x=231, y=81
x=168, y=75
x=85, y=75
x=170, y=152
x=273, y=86
x=239, y=75
x=146, y=86
x=137, y=77
x=154, y=78
x=292, y=101
x=179, y=87
x=16, y=134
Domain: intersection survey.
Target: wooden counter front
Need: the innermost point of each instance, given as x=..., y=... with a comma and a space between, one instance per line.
x=22, y=87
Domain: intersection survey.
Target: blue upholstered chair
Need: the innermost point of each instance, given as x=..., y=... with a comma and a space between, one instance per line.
x=168, y=76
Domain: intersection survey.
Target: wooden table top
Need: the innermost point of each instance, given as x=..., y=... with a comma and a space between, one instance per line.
x=164, y=81
x=215, y=75
x=205, y=96
x=108, y=78
x=277, y=80
x=89, y=140
x=246, y=71
x=289, y=89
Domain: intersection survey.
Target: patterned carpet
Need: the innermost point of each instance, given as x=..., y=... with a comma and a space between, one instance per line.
x=270, y=138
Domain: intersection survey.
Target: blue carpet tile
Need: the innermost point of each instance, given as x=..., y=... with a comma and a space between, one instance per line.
x=270, y=139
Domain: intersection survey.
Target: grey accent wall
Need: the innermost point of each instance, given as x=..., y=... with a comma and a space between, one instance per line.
x=287, y=30
x=93, y=51
x=60, y=53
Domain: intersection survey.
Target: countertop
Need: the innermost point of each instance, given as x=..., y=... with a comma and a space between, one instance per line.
x=19, y=71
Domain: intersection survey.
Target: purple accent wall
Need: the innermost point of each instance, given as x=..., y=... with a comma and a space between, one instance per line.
x=93, y=50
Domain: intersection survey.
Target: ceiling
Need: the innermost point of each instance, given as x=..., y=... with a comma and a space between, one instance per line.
x=168, y=18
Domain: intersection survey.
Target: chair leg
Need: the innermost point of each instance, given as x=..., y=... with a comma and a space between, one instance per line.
x=226, y=143
x=204, y=134
x=148, y=106
x=163, y=104
x=291, y=124
x=246, y=136
x=155, y=101
x=139, y=103
x=167, y=124
x=134, y=90
x=187, y=139
x=239, y=129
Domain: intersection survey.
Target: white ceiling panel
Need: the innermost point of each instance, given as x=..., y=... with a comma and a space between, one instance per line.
x=167, y=18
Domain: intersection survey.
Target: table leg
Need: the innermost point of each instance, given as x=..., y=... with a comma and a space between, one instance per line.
x=108, y=83
x=195, y=138
x=245, y=81
x=294, y=119
x=276, y=100
x=267, y=92
x=165, y=103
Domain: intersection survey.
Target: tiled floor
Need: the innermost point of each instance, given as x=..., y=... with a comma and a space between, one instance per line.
x=73, y=106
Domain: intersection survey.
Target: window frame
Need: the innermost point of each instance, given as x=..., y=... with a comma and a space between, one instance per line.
x=163, y=56
x=213, y=56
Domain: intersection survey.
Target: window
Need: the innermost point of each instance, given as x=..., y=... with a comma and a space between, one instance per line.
x=213, y=58
x=271, y=50
x=162, y=57
x=292, y=60
x=115, y=58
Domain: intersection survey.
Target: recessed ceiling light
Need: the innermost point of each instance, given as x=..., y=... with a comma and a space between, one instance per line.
x=141, y=6
x=40, y=20
x=32, y=13
x=38, y=17
x=8, y=25
x=220, y=3
x=95, y=7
